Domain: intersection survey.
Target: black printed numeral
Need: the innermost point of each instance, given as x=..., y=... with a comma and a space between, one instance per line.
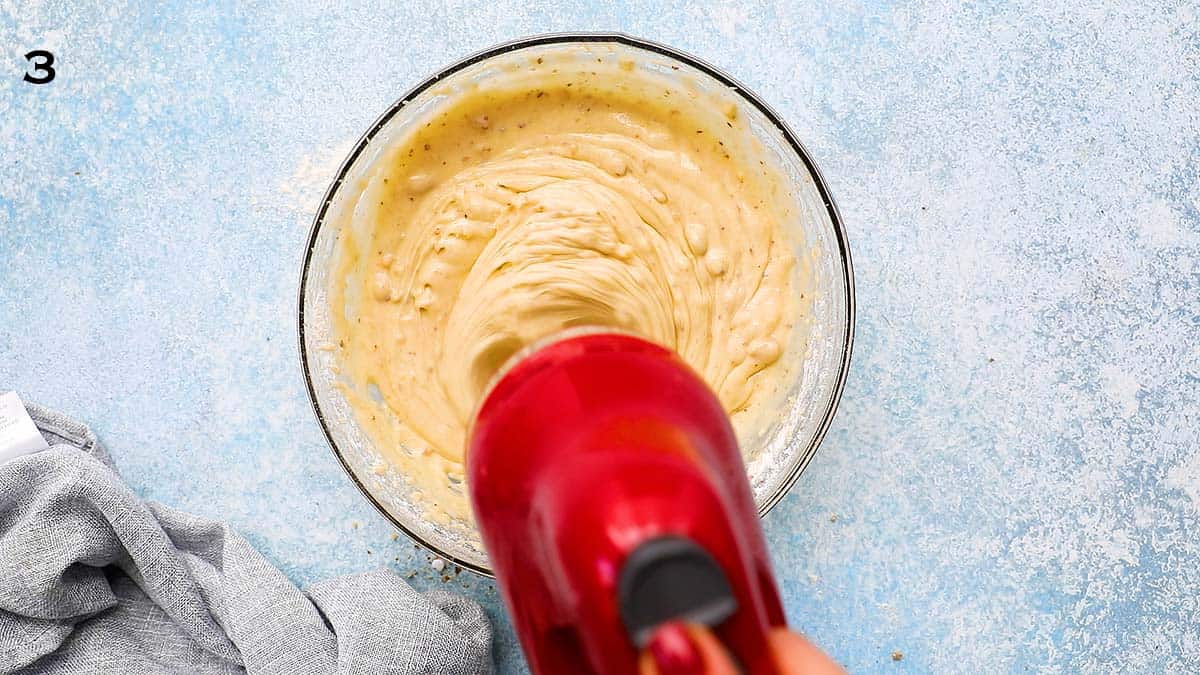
x=42, y=62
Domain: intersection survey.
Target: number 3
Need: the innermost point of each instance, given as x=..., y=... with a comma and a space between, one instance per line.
x=46, y=66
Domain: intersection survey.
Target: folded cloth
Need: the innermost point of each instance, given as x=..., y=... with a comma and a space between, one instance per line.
x=94, y=580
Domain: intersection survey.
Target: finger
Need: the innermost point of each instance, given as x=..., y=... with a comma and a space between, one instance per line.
x=679, y=649
x=795, y=655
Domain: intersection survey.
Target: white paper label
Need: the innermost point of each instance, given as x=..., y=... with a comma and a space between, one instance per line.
x=18, y=435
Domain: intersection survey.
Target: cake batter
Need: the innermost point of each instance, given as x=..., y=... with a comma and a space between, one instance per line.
x=513, y=213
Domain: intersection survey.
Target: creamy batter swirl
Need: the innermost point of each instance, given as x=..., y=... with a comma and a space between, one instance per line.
x=513, y=215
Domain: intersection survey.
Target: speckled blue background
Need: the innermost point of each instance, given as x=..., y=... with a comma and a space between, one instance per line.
x=1013, y=480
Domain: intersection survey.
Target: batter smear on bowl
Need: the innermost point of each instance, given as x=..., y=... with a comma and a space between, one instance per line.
x=561, y=198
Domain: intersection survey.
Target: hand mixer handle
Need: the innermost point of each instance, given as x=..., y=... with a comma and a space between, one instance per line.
x=671, y=578
x=611, y=496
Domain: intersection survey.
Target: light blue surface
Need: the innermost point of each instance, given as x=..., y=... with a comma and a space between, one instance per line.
x=1013, y=481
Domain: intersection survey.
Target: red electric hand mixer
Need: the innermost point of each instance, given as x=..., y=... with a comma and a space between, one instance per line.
x=611, y=496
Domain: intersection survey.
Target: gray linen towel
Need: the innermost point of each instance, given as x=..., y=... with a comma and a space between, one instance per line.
x=94, y=580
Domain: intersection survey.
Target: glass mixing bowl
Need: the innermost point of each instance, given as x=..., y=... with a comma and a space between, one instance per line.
x=774, y=459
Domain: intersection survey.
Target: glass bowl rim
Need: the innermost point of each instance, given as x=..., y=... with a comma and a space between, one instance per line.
x=565, y=38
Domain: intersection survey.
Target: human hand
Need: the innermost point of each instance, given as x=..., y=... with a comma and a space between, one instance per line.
x=682, y=649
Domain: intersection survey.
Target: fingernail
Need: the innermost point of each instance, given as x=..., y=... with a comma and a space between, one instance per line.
x=673, y=650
